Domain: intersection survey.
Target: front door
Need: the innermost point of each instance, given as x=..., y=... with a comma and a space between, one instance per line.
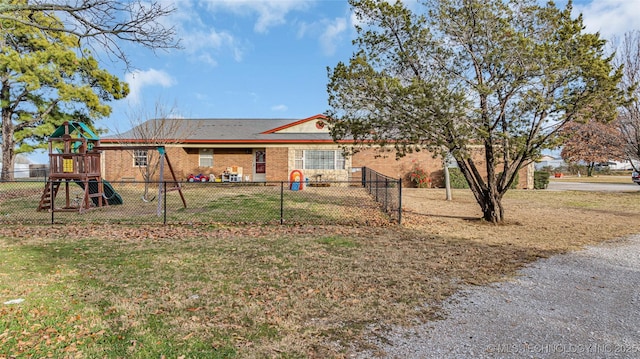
x=259, y=166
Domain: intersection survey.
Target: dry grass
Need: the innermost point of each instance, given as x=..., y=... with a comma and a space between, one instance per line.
x=539, y=220
x=277, y=291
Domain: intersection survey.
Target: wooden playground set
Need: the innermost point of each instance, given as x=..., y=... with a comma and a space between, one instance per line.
x=75, y=158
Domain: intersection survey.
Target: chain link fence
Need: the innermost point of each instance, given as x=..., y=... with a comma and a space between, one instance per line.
x=385, y=190
x=131, y=202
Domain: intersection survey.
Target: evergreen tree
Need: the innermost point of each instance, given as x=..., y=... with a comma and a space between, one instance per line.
x=490, y=77
x=44, y=81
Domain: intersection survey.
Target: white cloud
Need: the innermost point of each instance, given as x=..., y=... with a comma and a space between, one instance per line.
x=279, y=108
x=609, y=17
x=137, y=80
x=207, y=59
x=332, y=34
x=328, y=32
x=201, y=41
x=269, y=12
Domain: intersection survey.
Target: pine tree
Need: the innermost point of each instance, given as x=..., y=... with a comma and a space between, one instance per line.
x=44, y=81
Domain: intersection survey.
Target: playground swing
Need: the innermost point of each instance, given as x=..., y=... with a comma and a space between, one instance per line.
x=163, y=159
x=145, y=200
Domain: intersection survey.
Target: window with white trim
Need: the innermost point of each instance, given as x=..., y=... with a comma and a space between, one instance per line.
x=319, y=159
x=206, y=157
x=298, y=159
x=140, y=158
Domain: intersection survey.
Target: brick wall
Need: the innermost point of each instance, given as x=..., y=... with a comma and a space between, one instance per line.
x=387, y=164
x=182, y=162
x=119, y=164
x=277, y=164
x=185, y=161
x=223, y=158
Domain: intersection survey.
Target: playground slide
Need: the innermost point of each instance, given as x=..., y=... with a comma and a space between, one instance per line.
x=110, y=194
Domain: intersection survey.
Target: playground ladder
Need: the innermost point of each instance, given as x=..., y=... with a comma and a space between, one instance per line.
x=97, y=196
x=47, y=198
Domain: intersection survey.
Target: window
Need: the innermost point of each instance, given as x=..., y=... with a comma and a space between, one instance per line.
x=206, y=157
x=298, y=158
x=261, y=161
x=319, y=160
x=140, y=158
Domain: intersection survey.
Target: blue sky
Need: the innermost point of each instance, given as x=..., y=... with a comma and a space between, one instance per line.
x=266, y=58
x=241, y=59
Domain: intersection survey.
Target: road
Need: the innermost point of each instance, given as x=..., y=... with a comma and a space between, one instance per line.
x=604, y=187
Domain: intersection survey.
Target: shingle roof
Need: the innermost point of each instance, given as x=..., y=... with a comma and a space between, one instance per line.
x=213, y=130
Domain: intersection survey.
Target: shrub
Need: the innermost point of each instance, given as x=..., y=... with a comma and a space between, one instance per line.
x=419, y=177
x=540, y=179
x=456, y=179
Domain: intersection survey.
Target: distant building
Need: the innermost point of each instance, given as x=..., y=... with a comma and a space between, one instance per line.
x=548, y=161
x=21, y=166
x=622, y=166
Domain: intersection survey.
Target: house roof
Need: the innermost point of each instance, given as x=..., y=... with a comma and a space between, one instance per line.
x=228, y=131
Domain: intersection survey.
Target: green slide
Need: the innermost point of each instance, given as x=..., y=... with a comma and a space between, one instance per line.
x=110, y=194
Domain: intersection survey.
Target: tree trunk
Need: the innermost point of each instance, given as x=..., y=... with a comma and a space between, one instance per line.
x=8, y=156
x=485, y=190
x=492, y=210
x=590, y=167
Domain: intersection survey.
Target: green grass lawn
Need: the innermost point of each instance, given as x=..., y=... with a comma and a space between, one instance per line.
x=225, y=293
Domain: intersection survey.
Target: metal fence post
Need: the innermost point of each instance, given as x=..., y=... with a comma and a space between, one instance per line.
x=164, y=183
x=364, y=176
x=377, y=189
x=386, y=194
x=399, y=201
x=51, y=205
x=281, y=202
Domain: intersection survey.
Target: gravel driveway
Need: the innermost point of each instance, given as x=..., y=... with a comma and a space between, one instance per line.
x=585, y=304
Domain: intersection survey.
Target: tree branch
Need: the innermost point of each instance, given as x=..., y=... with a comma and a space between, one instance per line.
x=102, y=23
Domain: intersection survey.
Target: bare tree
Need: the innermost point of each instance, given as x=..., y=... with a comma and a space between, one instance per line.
x=102, y=24
x=157, y=127
x=592, y=142
x=628, y=55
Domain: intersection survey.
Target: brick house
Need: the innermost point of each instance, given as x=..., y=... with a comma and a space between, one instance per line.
x=260, y=150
